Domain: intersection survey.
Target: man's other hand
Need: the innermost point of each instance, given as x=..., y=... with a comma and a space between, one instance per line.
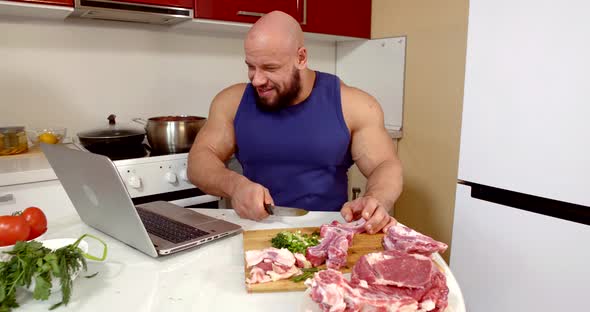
x=370, y=209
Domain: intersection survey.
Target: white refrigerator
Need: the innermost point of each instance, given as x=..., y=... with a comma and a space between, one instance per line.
x=521, y=232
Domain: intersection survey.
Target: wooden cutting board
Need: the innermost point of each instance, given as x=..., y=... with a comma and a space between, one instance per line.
x=362, y=244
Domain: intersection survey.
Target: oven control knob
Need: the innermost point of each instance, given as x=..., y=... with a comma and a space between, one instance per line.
x=134, y=182
x=170, y=177
x=183, y=176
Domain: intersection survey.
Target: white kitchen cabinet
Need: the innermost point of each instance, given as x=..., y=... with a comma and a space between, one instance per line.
x=47, y=195
x=376, y=67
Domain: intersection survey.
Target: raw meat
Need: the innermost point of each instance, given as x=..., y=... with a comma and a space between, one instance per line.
x=336, y=238
x=338, y=252
x=282, y=256
x=330, y=290
x=355, y=227
x=258, y=275
x=335, y=294
x=301, y=261
x=393, y=268
x=270, y=264
x=403, y=238
x=380, y=282
x=432, y=297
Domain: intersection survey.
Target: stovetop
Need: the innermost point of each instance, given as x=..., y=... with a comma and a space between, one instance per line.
x=138, y=157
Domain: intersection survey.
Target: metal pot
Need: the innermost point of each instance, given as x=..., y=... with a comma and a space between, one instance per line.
x=114, y=142
x=172, y=134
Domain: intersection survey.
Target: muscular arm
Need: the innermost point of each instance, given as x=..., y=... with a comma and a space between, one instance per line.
x=214, y=145
x=374, y=154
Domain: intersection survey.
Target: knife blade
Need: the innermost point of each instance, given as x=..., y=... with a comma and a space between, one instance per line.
x=284, y=211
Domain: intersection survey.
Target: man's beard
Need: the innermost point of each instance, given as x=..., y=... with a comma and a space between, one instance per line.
x=284, y=98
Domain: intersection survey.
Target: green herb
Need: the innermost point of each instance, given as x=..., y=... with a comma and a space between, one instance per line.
x=30, y=260
x=307, y=273
x=295, y=241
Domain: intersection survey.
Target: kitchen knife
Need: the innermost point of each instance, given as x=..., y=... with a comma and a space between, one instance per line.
x=284, y=211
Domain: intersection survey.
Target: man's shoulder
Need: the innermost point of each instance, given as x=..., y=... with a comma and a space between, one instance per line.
x=228, y=99
x=232, y=92
x=356, y=98
x=359, y=106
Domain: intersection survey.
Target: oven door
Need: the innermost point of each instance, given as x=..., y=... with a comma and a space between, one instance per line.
x=190, y=198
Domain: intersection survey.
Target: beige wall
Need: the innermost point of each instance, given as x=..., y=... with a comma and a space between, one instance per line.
x=75, y=73
x=435, y=63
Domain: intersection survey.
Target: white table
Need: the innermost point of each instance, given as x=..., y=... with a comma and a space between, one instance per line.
x=206, y=278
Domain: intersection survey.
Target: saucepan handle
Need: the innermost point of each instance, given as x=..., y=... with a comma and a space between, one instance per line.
x=140, y=121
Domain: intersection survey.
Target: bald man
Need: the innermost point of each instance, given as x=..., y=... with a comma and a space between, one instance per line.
x=296, y=132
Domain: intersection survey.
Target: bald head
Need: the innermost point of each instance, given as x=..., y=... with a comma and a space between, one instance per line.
x=276, y=30
x=277, y=60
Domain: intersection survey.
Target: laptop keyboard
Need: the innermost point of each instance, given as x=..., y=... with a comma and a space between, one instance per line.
x=168, y=229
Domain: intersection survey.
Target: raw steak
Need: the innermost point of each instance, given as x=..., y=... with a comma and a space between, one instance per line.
x=428, y=291
x=403, y=238
x=432, y=297
x=393, y=268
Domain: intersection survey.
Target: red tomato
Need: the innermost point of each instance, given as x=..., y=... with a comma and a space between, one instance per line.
x=13, y=229
x=36, y=219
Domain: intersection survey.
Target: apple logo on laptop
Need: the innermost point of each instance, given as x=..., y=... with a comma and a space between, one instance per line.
x=90, y=195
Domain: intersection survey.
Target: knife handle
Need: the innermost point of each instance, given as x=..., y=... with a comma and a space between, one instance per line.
x=268, y=208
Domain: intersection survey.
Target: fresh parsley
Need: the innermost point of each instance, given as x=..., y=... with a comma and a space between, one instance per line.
x=30, y=260
x=295, y=241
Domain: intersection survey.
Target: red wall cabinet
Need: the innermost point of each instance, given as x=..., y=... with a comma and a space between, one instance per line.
x=246, y=11
x=339, y=17
x=336, y=17
x=172, y=3
x=69, y=3
x=187, y=4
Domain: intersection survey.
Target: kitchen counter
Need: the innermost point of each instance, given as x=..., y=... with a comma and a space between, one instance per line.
x=28, y=167
x=206, y=278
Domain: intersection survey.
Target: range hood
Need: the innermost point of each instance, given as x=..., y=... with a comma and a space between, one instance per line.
x=130, y=12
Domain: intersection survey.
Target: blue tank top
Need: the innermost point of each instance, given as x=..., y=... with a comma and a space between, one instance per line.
x=300, y=153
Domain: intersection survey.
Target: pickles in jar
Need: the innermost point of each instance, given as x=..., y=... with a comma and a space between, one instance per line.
x=13, y=140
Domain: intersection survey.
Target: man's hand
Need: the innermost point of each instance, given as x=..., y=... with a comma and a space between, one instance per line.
x=370, y=209
x=249, y=198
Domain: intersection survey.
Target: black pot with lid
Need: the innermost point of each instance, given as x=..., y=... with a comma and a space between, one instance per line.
x=114, y=141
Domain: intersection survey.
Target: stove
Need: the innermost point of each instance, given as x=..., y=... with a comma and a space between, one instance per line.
x=160, y=177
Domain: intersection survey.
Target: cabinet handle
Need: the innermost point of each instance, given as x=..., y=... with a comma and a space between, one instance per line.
x=304, y=11
x=258, y=14
x=6, y=198
x=248, y=13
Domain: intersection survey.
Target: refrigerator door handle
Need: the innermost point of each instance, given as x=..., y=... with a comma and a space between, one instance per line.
x=541, y=205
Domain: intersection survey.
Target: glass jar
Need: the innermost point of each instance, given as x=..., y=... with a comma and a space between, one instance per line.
x=13, y=140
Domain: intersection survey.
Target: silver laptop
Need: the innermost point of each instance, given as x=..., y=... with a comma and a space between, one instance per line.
x=96, y=189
